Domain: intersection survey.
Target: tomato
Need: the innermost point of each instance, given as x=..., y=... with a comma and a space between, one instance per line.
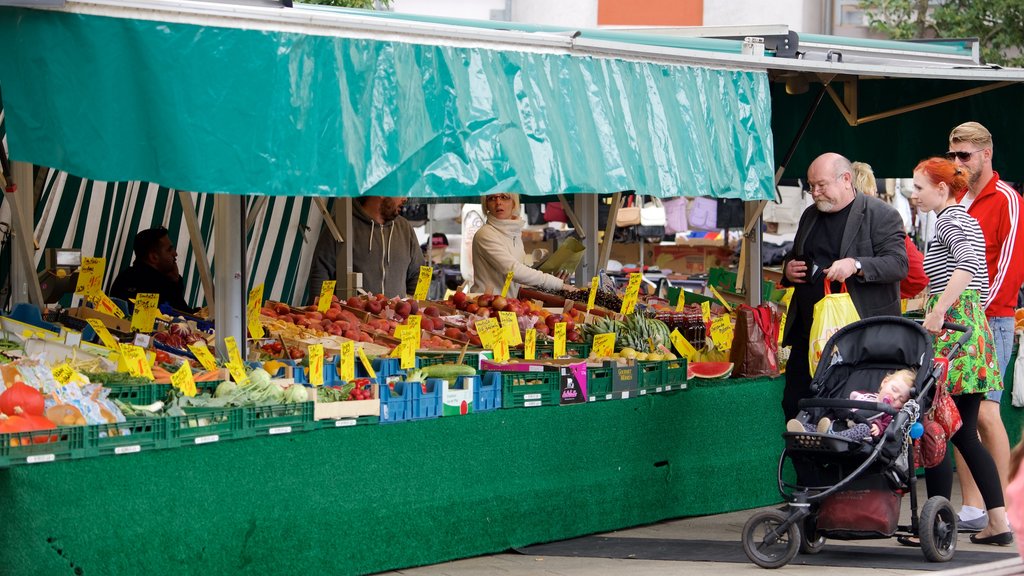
x=163, y=357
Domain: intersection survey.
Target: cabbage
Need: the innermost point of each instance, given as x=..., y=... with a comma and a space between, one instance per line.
x=259, y=377
x=295, y=394
x=225, y=389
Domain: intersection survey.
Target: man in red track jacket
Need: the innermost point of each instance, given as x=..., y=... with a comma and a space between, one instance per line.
x=998, y=209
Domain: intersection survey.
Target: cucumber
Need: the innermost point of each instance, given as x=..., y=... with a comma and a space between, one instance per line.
x=447, y=371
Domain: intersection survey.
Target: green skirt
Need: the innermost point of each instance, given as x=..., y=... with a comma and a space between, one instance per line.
x=974, y=368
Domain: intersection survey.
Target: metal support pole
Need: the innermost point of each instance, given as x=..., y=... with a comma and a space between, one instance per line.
x=258, y=205
x=321, y=205
x=581, y=231
x=609, y=232
x=586, y=212
x=188, y=213
x=230, y=273
x=24, y=280
x=751, y=252
x=347, y=281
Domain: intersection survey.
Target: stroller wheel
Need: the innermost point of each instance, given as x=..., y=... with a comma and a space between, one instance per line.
x=810, y=541
x=938, y=530
x=765, y=545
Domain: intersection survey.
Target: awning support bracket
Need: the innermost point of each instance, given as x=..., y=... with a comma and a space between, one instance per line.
x=848, y=104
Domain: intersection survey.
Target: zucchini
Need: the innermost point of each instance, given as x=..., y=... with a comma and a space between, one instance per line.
x=447, y=371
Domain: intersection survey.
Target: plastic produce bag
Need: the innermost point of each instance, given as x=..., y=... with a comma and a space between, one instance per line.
x=1018, y=376
x=830, y=314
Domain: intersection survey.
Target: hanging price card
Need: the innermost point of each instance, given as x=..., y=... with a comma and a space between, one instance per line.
x=399, y=332
x=508, y=284
x=106, y=305
x=238, y=373
x=489, y=331
x=408, y=357
x=705, y=311
x=323, y=304
x=90, y=276
x=632, y=293
x=316, y=364
x=145, y=311
x=501, y=349
x=560, y=339
x=101, y=330
x=721, y=332
x=202, y=353
x=682, y=345
x=681, y=301
x=593, y=293
x=253, y=312
x=136, y=362
x=423, y=284
x=530, y=345
x=348, y=361
x=182, y=380
x=63, y=372
x=604, y=344
x=414, y=326
x=720, y=298
x=510, y=326
x=234, y=356
x=367, y=365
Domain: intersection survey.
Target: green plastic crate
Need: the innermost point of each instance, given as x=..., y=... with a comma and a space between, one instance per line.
x=138, y=393
x=573, y=349
x=650, y=377
x=674, y=374
x=530, y=389
x=349, y=422
x=599, y=384
x=205, y=426
x=129, y=437
x=471, y=359
x=63, y=443
x=279, y=418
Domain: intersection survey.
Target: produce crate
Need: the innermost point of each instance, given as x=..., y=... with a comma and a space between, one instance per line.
x=205, y=426
x=572, y=349
x=649, y=377
x=346, y=409
x=458, y=395
x=675, y=374
x=426, y=399
x=395, y=402
x=599, y=384
x=471, y=358
x=129, y=437
x=349, y=422
x=387, y=370
x=624, y=379
x=279, y=418
x=528, y=389
x=64, y=443
x=486, y=394
x=138, y=393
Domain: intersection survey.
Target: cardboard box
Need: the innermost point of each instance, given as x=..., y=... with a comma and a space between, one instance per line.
x=624, y=379
x=689, y=259
x=457, y=396
x=346, y=409
x=112, y=322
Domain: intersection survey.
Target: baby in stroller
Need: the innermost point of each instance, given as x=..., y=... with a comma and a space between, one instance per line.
x=894, y=390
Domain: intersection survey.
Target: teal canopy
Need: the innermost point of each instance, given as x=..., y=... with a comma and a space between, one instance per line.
x=244, y=111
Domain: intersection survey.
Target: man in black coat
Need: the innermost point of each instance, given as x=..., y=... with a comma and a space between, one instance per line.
x=845, y=237
x=154, y=271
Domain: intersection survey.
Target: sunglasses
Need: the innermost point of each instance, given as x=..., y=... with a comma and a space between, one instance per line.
x=961, y=156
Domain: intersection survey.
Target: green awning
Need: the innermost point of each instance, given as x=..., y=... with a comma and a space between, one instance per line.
x=275, y=112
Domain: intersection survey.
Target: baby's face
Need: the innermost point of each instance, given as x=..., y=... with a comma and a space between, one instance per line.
x=897, y=390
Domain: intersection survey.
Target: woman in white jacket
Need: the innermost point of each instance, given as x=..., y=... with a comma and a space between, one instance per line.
x=498, y=248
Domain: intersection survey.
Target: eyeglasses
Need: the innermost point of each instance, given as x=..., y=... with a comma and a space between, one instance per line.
x=502, y=197
x=961, y=156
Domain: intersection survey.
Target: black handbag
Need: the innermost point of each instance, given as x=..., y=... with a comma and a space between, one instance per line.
x=730, y=213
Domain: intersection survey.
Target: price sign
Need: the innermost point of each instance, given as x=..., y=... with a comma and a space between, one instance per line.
x=326, y=291
x=348, y=361
x=234, y=357
x=316, y=364
x=593, y=293
x=202, y=353
x=682, y=345
x=106, y=305
x=182, y=380
x=508, y=284
x=145, y=311
x=101, y=330
x=681, y=301
x=705, y=311
x=489, y=331
x=90, y=276
x=399, y=335
x=719, y=297
x=632, y=293
x=407, y=360
x=253, y=312
x=530, y=346
x=414, y=330
x=63, y=373
x=721, y=332
x=604, y=344
x=238, y=373
x=136, y=362
x=423, y=284
x=367, y=365
x=501, y=350
x=560, y=339
x=510, y=327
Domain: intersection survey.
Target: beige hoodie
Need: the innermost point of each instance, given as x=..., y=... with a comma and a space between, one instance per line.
x=498, y=248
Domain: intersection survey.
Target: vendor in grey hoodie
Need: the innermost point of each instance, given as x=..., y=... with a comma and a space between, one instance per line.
x=384, y=249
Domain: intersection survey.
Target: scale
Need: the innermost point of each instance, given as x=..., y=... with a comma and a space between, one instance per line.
x=61, y=273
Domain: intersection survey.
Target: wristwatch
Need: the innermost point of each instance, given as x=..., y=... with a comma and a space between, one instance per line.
x=856, y=264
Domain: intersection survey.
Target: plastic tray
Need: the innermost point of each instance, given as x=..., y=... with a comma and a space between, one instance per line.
x=58, y=445
x=572, y=349
x=426, y=400
x=649, y=377
x=205, y=426
x=279, y=418
x=486, y=394
x=471, y=359
x=527, y=389
x=138, y=393
x=395, y=402
x=674, y=374
x=599, y=384
x=349, y=422
x=134, y=435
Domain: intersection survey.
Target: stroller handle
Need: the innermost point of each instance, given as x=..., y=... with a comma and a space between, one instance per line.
x=965, y=336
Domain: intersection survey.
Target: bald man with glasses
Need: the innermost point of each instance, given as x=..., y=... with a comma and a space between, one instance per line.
x=997, y=207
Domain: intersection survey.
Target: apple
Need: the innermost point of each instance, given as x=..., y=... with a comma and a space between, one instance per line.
x=356, y=302
x=552, y=320
x=414, y=306
x=453, y=332
x=431, y=311
x=472, y=308
x=374, y=306
x=484, y=300
x=543, y=329
x=499, y=303
x=459, y=298
x=403, y=308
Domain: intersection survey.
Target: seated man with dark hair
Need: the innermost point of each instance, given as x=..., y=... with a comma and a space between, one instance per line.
x=155, y=271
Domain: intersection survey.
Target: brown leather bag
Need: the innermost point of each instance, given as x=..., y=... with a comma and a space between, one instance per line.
x=755, y=342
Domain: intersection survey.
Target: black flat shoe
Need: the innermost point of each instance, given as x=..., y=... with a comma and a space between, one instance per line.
x=912, y=541
x=1002, y=539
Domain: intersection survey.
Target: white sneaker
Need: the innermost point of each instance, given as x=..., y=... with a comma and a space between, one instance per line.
x=974, y=524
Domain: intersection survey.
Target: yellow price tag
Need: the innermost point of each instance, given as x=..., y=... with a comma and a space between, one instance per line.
x=593, y=293
x=681, y=300
x=105, y=336
x=202, y=353
x=721, y=332
x=413, y=322
x=145, y=311
x=604, y=344
x=530, y=346
x=508, y=284
x=106, y=305
x=238, y=373
x=632, y=293
x=182, y=380
x=323, y=304
x=367, y=365
x=234, y=356
x=316, y=364
x=90, y=275
x=705, y=311
x=399, y=335
x=560, y=339
x=501, y=353
x=407, y=360
x=489, y=330
x=423, y=284
x=135, y=361
x=253, y=312
x=510, y=326
x=63, y=373
x=682, y=345
x=720, y=298
x=348, y=361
